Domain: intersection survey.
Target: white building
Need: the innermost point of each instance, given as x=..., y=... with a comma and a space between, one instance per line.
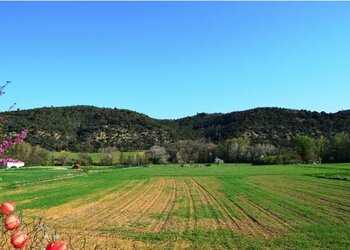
x=16, y=164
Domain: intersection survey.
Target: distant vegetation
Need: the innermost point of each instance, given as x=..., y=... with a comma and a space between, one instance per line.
x=98, y=135
x=38, y=156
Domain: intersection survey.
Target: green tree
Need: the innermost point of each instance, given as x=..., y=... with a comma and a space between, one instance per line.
x=305, y=147
x=338, y=148
x=85, y=159
x=157, y=155
x=123, y=160
x=41, y=156
x=236, y=150
x=107, y=160
x=22, y=151
x=320, y=144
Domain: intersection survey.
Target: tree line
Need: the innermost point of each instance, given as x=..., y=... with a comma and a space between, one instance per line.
x=302, y=149
x=38, y=156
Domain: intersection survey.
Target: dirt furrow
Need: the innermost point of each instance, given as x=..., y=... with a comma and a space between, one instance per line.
x=174, y=194
x=236, y=226
x=123, y=213
x=332, y=185
x=99, y=212
x=190, y=208
x=292, y=209
x=144, y=208
x=195, y=207
x=96, y=213
x=274, y=217
x=75, y=238
x=164, y=208
x=254, y=225
x=220, y=223
x=328, y=193
x=307, y=197
x=327, y=197
x=321, y=204
x=330, y=201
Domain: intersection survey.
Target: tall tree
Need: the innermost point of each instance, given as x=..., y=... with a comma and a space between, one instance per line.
x=305, y=147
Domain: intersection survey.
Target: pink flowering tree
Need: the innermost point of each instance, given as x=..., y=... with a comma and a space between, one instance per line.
x=6, y=144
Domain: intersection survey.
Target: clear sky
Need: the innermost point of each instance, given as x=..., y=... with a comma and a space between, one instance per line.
x=170, y=60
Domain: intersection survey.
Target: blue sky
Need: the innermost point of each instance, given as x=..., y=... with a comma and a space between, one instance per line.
x=170, y=60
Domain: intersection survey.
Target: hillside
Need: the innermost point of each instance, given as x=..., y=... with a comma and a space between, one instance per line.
x=87, y=128
x=274, y=125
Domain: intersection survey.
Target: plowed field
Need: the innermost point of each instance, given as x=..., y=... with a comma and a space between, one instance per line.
x=173, y=207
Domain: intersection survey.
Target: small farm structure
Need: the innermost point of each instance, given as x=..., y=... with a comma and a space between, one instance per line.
x=16, y=164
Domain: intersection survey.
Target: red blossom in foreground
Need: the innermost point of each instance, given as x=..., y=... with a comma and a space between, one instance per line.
x=57, y=245
x=18, y=234
x=12, y=222
x=19, y=239
x=7, y=207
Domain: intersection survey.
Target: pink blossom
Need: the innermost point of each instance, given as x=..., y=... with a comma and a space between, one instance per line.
x=8, y=143
x=4, y=161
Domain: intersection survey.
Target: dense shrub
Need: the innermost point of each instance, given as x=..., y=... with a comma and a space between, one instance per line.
x=32, y=156
x=107, y=160
x=277, y=160
x=157, y=155
x=84, y=159
x=191, y=151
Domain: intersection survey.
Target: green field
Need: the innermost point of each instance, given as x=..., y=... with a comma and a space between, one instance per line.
x=96, y=157
x=194, y=207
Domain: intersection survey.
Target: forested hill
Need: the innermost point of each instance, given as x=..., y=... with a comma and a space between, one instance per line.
x=273, y=125
x=87, y=128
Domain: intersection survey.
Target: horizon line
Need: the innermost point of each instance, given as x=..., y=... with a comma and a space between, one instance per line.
x=198, y=113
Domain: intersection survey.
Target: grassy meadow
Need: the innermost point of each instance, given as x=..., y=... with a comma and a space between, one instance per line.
x=194, y=207
x=97, y=157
